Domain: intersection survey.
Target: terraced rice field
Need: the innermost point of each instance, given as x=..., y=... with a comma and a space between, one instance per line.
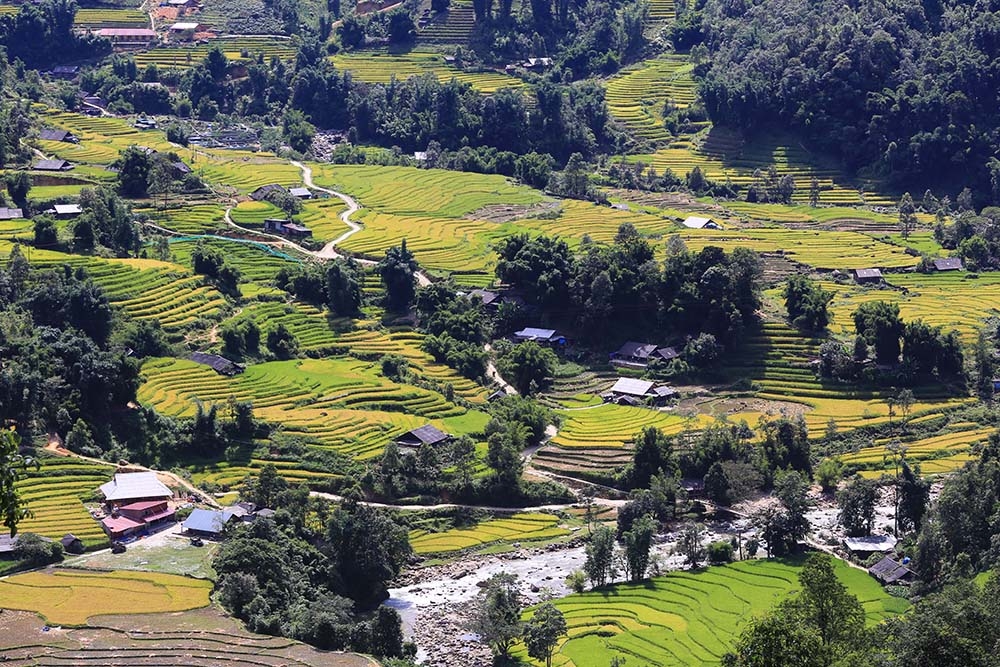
x=342, y=404
x=95, y=19
x=235, y=48
x=953, y=300
x=453, y=26
x=817, y=248
x=146, y=289
x=636, y=96
x=54, y=494
x=777, y=360
x=101, y=139
x=193, y=219
x=252, y=213
x=940, y=453
x=67, y=597
x=519, y=527
x=382, y=66
x=662, y=10
x=204, y=636
x=610, y=425
x=723, y=154
x=688, y=618
x=256, y=261
x=246, y=171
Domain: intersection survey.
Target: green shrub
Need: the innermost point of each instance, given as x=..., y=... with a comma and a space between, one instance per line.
x=720, y=552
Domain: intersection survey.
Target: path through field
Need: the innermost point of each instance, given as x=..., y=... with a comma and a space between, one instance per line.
x=328, y=250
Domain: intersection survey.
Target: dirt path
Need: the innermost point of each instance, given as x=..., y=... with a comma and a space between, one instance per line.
x=353, y=207
x=493, y=374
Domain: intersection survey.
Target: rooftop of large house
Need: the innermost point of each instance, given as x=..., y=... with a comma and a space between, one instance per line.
x=119, y=524
x=867, y=274
x=67, y=209
x=424, y=435
x=52, y=165
x=54, y=135
x=134, y=486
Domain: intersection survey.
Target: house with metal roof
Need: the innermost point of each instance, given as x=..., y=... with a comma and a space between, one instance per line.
x=862, y=276
x=131, y=487
x=263, y=191
x=890, y=571
x=52, y=165
x=534, y=334
x=870, y=544
x=948, y=264
x=64, y=211
x=301, y=193
x=148, y=512
x=423, y=436
x=11, y=213
x=119, y=527
x=209, y=523
x=62, y=136
x=220, y=365
x=632, y=391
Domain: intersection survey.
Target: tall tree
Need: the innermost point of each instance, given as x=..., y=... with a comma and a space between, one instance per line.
x=543, y=630
x=12, y=466
x=497, y=614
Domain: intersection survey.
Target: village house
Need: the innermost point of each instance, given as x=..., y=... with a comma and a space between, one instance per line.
x=890, y=571
x=66, y=72
x=128, y=38
x=210, y=523
x=301, y=193
x=639, y=355
x=179, y=169
x=948, y=264
x=867, y=276
x=864, y=547
x=120, y=527
x=72, y=544
x=10, y=213
x=536, y=335
x=184, y=30
x=133, y=487
x=151, y=513
x=426, y=435
x=220, y=365
x=286, y=228
x=631, y=391
x=699, y=222
x=62, y=136
x=66, y=211
x=261, y=193
x=52, y=165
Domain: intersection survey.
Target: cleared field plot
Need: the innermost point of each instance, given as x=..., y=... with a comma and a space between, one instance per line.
x=952, y=300
x=817, y=248
x=723, y=154
x=382, y=66
x=252, y=213
x=519, y=527
x=96, y=19
x=939, y=453
x=55, y=493
x=636, y=96
x=70, y=597
x=661, y=10
x=235, y=48
x=203, y=636
x=339, y=403
x=246, y=171
x=691, y=618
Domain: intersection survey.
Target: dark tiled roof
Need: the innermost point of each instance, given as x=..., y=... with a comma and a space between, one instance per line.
x=889, y=570
x=867, y=273
x=948, y=264
x=425, y=435
x=217, y=363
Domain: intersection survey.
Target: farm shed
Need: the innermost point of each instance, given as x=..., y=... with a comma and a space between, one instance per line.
x=184, y=26
x=486, y=297
x=870, y=544
x=148, y=512
x=131, y=487
x=120, y=527
x=11, y=213
x=862, y=276
x=180, y=169
x=220, y=365
x=63, y=211
x=425, y=435
x=890, y=571
x=209, y=523
x=58, y=135
x=52, y=165
x=263, y=191
x=301, y=193
x=699, y=222
x=948, y=264
x=550, y=336
x=65, y=71
x=72, y=544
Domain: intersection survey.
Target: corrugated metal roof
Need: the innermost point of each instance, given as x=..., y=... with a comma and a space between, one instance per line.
x=948, y=264
x=532, y=332
x=11, y=213
x=870, y=543
x=129, y=485
x=207, y=521
x=631, y=387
